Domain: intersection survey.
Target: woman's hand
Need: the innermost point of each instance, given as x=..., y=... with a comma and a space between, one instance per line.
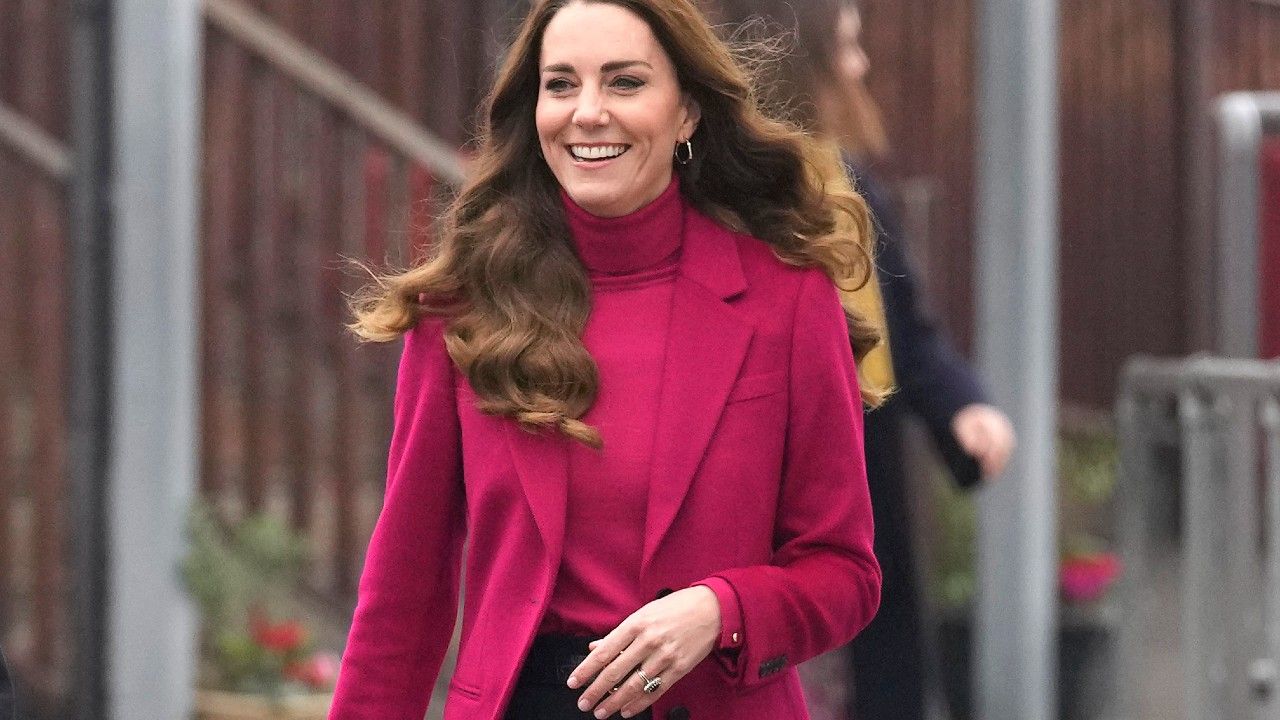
x=985, y=433
x=664, y=639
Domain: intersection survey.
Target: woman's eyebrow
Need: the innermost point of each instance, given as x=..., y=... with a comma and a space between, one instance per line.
x=622, y=65
x=611, y=66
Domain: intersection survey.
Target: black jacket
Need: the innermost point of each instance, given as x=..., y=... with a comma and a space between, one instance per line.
x=934, y=382
x=8, y=703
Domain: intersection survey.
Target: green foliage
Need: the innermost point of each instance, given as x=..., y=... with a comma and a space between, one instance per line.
x=1087, y=461
x=253, y=565
x=243, y=578
x=957, y=527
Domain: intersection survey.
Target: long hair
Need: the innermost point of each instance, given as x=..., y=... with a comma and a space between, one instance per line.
x=504, y=274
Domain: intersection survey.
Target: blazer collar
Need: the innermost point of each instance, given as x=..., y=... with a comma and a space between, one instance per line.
x=707, y=342
x=710, y=256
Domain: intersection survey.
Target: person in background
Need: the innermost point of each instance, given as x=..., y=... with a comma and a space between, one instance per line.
x=819, y=84
x=627, y=394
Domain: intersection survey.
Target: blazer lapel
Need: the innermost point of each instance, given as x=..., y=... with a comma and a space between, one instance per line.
x=706, y=344
x=542, y=463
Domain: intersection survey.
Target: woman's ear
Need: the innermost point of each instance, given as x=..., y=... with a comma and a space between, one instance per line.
x=692, y=116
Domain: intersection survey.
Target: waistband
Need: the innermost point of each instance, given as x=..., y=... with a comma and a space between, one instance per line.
x=553, y=657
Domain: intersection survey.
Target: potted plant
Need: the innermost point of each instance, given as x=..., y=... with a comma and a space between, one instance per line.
x=1087, y=572
x=258, y=662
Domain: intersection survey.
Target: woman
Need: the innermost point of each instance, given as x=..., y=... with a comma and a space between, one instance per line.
x=820, y=84
x=627, y=382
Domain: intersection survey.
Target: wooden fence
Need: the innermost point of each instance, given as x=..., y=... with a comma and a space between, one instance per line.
x=33, y=354
x=34, y=176
x=1134, y=256
x=304, y=168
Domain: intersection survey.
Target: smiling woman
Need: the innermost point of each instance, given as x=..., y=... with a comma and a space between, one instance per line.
x=627, y=385
x=610, y=110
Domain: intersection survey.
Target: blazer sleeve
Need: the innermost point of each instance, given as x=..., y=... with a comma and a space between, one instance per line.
x=823, y=584
x=408, y=594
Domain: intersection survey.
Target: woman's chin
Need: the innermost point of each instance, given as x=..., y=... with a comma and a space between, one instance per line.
x=602, y=199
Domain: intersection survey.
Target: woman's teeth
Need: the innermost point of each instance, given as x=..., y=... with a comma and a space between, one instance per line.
x=597, y=152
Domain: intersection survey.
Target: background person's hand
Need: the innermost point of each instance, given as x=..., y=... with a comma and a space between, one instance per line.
x=666, y=638
x=985, y=433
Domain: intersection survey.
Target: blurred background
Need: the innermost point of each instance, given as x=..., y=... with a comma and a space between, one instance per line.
x=331, y=129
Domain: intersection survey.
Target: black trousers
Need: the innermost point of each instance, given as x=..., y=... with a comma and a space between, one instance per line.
x=541, y=693
x=888, y=656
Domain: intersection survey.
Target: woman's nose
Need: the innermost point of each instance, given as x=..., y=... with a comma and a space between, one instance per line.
x=590, y=111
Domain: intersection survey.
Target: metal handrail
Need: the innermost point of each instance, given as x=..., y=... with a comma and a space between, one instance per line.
x=310, y=70
x=1143, y=375
x=1206, y=431
x=35, y=145
x=322, y=78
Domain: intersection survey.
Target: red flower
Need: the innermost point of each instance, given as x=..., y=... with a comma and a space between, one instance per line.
x=1084, y=578
x=283, y=637
x=319, y=671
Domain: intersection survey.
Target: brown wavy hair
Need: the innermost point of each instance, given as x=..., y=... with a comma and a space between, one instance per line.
x=505, y=277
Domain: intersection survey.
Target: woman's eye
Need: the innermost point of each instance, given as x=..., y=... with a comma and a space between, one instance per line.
x=628, y=83
x=557, y=84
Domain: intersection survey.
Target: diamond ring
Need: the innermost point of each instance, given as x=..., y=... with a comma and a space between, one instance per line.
x=650, y=684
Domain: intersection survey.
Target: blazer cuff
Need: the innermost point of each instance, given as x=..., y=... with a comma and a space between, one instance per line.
x=731, y=635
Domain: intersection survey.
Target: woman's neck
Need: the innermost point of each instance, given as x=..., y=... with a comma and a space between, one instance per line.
x=632, y=242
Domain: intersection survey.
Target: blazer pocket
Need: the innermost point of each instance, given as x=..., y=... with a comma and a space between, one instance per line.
x=464, y=688
x=754, y=386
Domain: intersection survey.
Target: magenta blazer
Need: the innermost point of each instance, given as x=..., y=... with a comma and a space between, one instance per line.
x=758, y=479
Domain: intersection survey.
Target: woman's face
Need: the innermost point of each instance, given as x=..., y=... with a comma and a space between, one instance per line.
x=851, y=61
x=610, y=110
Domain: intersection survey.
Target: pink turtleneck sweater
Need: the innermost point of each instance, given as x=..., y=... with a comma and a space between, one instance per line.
x=632, y=265
x=631, y=262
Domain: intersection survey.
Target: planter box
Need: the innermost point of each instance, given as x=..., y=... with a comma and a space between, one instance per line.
x=1086, y=664
x=216, y=705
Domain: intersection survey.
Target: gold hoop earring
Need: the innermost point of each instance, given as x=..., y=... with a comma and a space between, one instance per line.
x=688, y=155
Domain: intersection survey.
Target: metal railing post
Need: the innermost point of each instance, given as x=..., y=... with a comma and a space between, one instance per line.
x=1016, y=261
x=1242, y=121
x=89, y=328
x=1263, y=671
x=154, y=349
x=1228, y=418
x=1134, y=417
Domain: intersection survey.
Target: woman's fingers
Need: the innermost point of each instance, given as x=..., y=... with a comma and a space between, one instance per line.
x=595, y=662
x=609, y=664
x=664, y=639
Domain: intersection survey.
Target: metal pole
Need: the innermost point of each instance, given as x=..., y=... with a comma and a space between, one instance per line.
x=1205, y=576
x=155, y=381
x=90, y=325
x=1242, y=119
x=1017, y=311
x=1194, y=72
x=1136, y=419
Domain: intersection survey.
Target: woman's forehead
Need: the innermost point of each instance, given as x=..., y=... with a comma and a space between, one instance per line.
x=587, y=35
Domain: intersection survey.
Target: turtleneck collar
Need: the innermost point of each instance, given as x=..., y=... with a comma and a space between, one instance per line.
x=629, y=243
